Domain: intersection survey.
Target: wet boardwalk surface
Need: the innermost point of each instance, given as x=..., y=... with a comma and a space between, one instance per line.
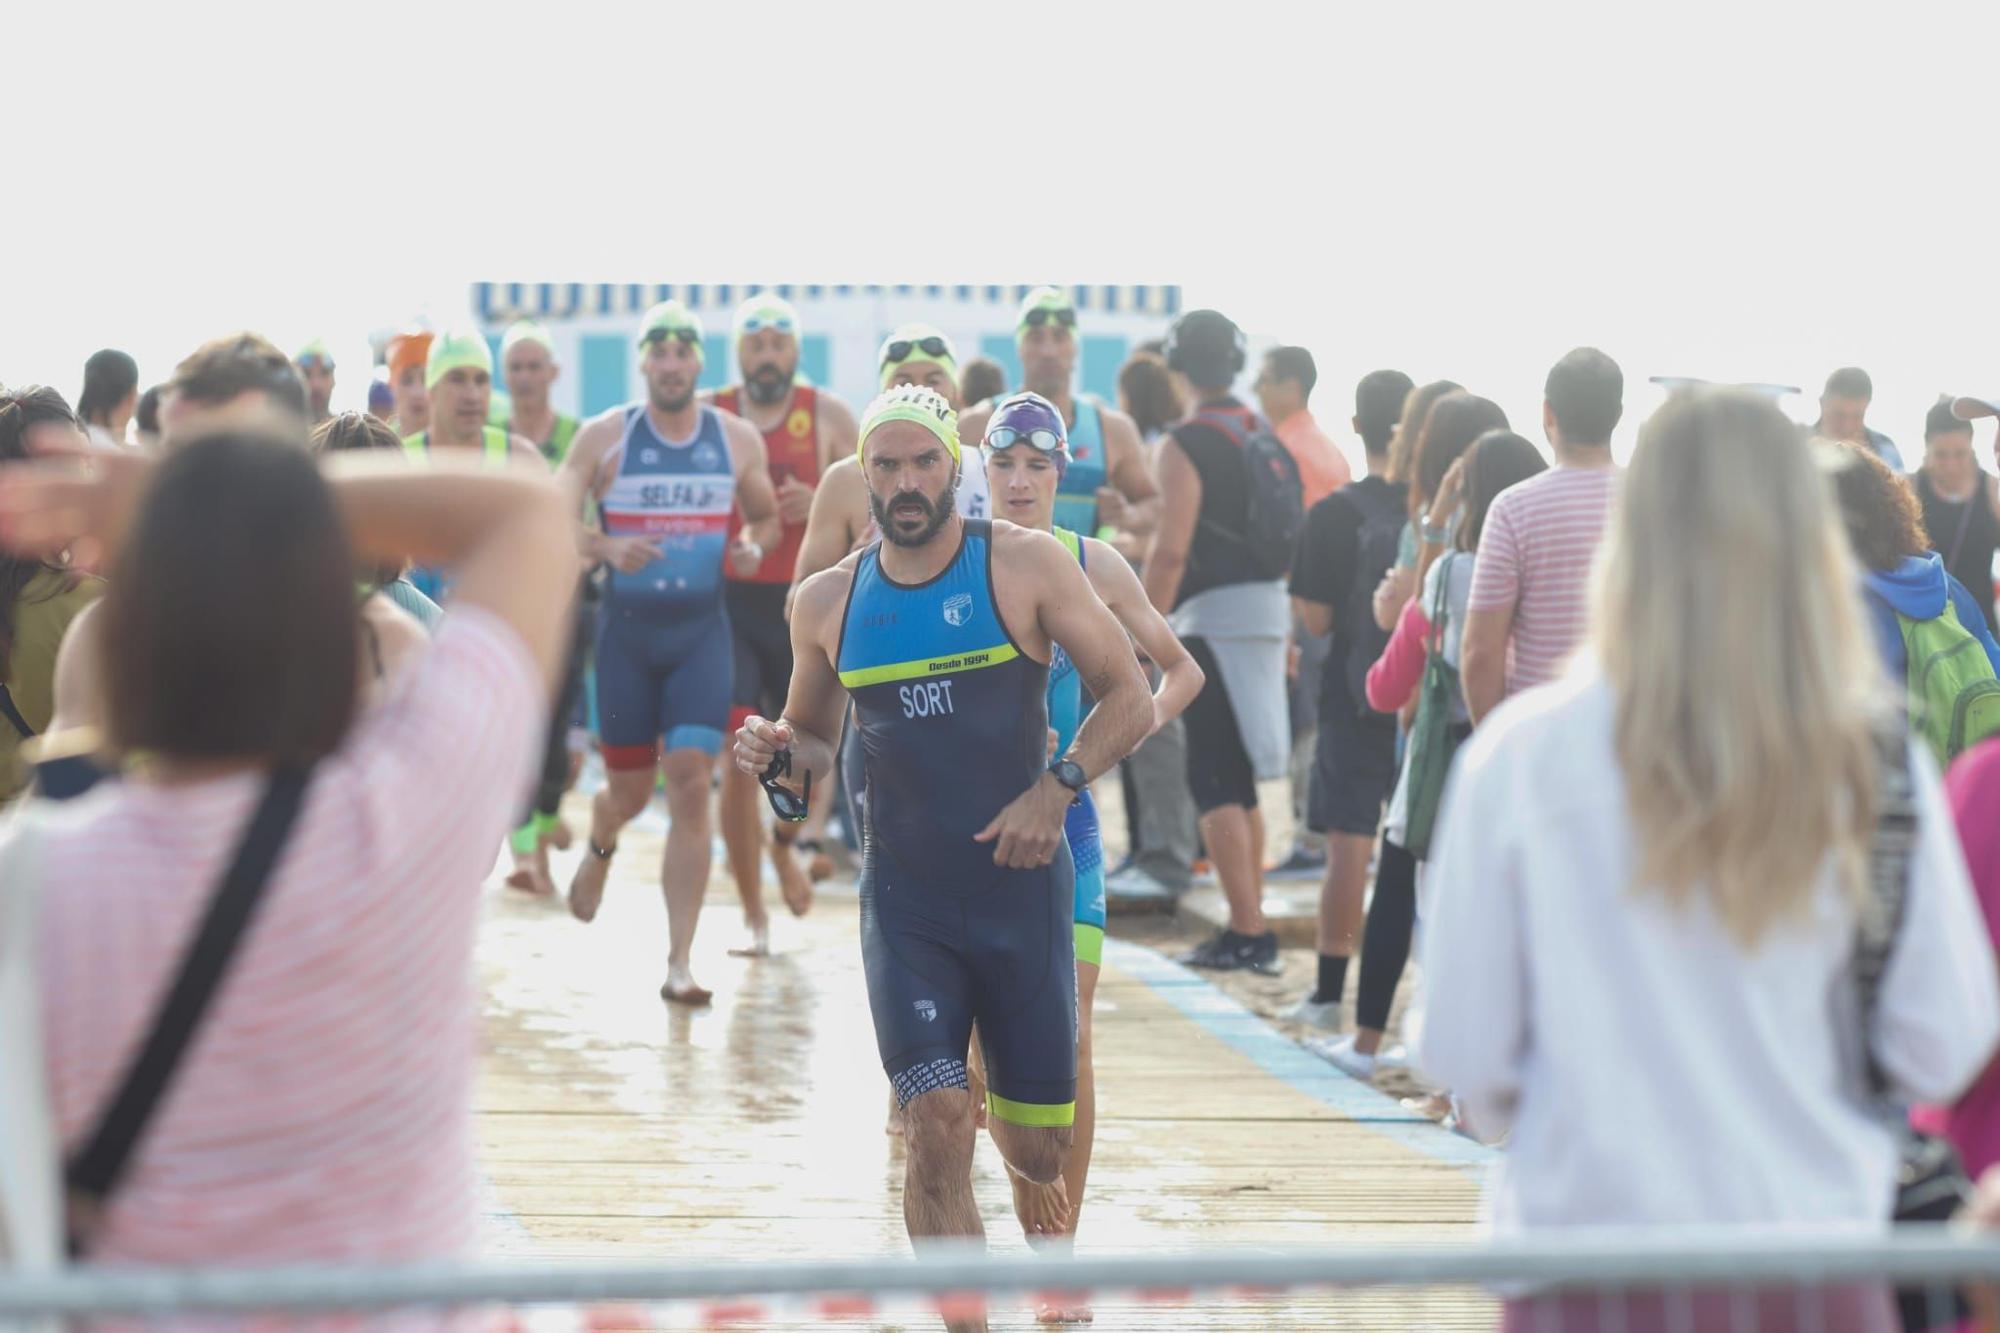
x=615, y=1127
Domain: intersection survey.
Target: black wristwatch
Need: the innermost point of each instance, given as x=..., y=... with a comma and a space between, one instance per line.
x=1071, y=775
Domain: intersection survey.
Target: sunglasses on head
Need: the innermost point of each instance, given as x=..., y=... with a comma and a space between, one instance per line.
x=778, y=323
x=900, y=349
x=786, y=804
x=1062, y=315
x=686, y=335
x=1004, y=437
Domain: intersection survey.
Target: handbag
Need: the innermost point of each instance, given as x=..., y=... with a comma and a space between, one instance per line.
x=93, y=1174
x=1931, y=1181
x=1433, y=740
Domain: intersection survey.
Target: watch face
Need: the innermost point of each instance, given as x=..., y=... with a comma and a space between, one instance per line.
x=1069, y=773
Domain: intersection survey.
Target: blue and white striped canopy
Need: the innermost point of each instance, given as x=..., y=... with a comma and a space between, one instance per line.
x=503, y=302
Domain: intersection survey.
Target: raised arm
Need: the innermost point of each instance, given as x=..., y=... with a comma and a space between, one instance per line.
x=506, y=534
x=1119, y=589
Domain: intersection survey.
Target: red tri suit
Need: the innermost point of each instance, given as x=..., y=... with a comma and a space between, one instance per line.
x=792, y=449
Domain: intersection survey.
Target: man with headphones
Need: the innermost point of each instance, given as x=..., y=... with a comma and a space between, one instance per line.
x=1202, y=573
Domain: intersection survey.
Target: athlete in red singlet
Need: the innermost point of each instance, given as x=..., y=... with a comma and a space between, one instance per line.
x=805, y=429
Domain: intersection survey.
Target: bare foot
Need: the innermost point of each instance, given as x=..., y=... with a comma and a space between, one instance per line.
x=1062, y=1312
x=792, y=882
x=756, y=941
x=1043, y=1209
x=531, y=875
x=586, y=890
x=680, y=989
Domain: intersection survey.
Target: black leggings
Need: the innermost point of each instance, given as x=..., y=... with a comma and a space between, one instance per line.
x=1385, y=942
x=554, y=780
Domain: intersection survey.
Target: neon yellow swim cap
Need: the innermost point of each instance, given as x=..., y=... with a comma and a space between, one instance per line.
x=456, y=349
x=916, y=344
x=671, y=318
x=1050, y=301
x=911, y=402
x=765, y=310
x=527, y=331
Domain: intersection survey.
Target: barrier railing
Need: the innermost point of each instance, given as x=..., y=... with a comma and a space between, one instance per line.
x=1936, y=1261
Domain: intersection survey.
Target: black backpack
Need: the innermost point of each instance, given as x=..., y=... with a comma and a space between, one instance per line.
x=1377, y=543
x=1276, y=507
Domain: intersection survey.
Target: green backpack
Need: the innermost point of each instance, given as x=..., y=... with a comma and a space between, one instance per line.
x=1954, y=697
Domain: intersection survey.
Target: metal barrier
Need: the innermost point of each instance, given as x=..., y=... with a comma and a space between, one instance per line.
x=1606, y=1265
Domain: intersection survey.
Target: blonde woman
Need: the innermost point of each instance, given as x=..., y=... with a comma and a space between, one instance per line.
x=1646, y=885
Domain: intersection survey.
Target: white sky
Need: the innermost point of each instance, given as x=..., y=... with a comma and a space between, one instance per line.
x=1756, y=190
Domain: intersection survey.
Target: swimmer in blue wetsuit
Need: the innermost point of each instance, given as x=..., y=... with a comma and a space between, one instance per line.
x=941, y=633
x=1026, y=452
x=665, y=474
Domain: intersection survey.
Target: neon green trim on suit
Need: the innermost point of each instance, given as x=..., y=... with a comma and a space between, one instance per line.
x=928, y=666
x=1030, y=1115
x=1090, y=944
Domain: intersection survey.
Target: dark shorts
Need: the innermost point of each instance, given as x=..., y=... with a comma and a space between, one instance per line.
x=1354, y=768
x=660, y=680
x=762, y=657
x=1218, y=765
x=1001, y=956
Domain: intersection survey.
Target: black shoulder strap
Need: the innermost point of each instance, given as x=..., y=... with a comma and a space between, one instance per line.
x=1881, y=916
x=13, y=714
x=95, y=1170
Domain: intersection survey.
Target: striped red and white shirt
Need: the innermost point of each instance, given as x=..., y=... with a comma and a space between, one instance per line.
x=323, y=1112
x=1535, y=554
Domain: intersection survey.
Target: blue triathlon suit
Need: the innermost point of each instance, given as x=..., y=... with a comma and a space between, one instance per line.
x=1080, y=826
x=953, y=724
x=663, y=651
x=1076, y=493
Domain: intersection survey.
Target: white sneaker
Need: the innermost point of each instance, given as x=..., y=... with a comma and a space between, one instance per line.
x=1340, y=1053
x=1315, y=1014
x=1132, y=882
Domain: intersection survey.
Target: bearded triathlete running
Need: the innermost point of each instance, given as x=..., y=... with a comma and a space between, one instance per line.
x=841, y=520
x=1026, y=453
x=941, y=633
x=1109, y=487
x=805, y=429
x=665, y=473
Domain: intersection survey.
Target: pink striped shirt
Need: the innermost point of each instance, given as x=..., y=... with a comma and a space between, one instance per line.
x=1535, y=554
x=324, y=1110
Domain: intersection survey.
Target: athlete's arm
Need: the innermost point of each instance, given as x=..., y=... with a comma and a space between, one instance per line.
x=811, y=722
x=754, y=493
x=1180, y=507
x=582, y=475
x=1118, y=588
x=1040, y=571
x=839, y=432
x=1134, y=505
x=839, y=509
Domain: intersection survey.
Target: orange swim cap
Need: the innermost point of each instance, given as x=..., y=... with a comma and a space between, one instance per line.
x=406, y=350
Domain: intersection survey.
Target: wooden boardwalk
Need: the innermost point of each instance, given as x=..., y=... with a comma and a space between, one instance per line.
x=613, y=1127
